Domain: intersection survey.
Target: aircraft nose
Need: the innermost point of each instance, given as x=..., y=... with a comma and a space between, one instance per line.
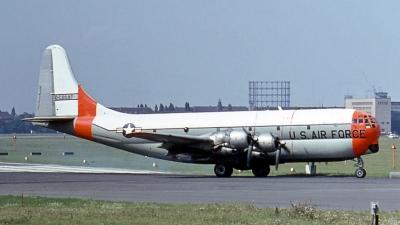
x=374, y=148
x=367, y=132
x=376, y=133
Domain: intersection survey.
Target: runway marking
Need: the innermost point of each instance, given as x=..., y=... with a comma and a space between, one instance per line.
x=50, y=168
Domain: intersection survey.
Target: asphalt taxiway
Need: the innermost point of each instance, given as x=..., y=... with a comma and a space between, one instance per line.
x=345, y=193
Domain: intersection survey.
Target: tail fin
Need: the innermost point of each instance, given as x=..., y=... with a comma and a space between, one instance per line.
x=58, y=89
x=61, y=99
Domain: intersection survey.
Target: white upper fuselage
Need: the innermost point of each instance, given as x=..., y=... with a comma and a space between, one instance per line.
x=166, y=121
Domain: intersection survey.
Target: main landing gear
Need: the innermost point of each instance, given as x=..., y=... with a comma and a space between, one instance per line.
x=223, y=170
x=260, y=170
x=360, y=172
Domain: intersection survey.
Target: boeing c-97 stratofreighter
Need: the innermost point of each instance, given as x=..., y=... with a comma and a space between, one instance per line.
x=231, y=140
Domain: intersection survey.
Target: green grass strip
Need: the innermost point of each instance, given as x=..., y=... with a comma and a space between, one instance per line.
x=41, y=210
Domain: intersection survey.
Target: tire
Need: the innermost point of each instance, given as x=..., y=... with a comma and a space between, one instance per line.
x=222, y=170
x=360, y=173
x=261, y=171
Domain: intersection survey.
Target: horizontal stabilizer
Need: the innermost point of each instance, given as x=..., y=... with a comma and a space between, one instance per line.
x=49, y=119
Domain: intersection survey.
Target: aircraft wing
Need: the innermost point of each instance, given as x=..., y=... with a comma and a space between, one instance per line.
x=176, y=144
x=173, y=138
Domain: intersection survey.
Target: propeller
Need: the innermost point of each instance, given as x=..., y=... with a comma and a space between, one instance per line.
x=278, y=155
x=249, y=150
x=279, y=143
x=251, y=145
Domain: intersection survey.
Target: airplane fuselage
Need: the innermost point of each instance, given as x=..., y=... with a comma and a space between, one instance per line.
x=310, y=135
x=242, y=140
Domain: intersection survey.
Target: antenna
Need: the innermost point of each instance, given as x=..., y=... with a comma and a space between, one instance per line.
x=372, y=86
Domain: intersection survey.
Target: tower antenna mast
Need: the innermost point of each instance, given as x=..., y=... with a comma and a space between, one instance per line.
x=372, y=86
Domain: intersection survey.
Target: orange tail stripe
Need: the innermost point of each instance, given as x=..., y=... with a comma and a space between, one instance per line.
x=83, y=127
x=86, y=113
x=86, y=105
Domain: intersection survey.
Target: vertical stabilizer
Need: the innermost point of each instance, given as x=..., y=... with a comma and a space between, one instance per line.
x=58, y=89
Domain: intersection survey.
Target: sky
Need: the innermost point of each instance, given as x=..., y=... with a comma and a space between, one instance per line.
x=126, y=53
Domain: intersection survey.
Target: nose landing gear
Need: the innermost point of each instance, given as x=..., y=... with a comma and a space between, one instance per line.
x=360, y=172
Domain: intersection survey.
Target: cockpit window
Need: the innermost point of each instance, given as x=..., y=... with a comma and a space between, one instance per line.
x=354, y=121
x=360, y=120
x=366, y=121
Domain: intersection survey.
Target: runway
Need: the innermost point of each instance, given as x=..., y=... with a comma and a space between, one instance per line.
x=346, y=193
x=49, y=168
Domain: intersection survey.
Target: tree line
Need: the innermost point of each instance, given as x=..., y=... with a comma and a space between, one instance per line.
x=171, y=107
x=17, y=126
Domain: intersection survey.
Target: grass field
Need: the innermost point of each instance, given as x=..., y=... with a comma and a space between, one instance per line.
x=97, y=155
x=38, y=210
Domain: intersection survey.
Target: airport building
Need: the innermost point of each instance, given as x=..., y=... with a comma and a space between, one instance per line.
x=379, y=106
x=6, y=117
x=395, y=117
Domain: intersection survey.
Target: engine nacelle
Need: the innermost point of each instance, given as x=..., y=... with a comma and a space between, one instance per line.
x=257, y=155
x=235, y=139
x=225, y=151
x=240, y=140
x=265, y=143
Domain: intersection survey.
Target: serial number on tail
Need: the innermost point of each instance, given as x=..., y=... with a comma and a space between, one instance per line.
x=63, y=97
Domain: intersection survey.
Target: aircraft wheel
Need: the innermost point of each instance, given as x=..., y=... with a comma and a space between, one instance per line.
x=360, y=173
x=222, y=170
x=260, y=171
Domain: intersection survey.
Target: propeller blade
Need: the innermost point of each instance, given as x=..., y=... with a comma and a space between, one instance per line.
x=249, y=150
x=276, y=139
x=279, y=143
x=278, y=155
x=246, y=131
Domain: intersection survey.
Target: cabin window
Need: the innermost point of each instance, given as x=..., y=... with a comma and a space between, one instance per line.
x=308, y=127
x=278, y=128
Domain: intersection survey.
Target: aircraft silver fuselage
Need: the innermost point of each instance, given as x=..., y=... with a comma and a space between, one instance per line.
x=242, y=140
x=310, y=135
